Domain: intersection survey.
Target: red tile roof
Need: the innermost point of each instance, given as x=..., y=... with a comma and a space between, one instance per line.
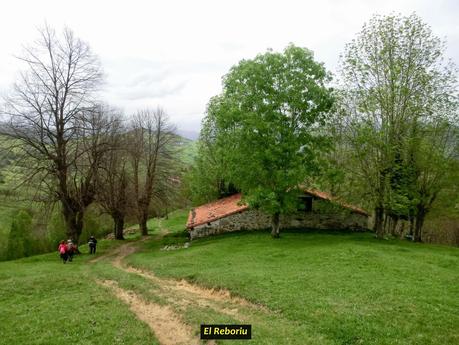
x=232, y=204
x=326, y=196
x=215, y=210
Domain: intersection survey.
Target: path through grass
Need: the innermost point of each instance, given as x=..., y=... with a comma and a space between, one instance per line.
x=338, y=288
x=43, y=301
x=306, y=288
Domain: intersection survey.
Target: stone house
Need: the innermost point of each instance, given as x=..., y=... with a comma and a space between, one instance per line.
x=318, y=210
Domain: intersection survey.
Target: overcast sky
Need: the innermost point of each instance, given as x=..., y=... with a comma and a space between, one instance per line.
x=174, y=53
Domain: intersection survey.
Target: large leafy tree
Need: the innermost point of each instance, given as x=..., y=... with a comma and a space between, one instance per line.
x=400, y=104
x=266, y=125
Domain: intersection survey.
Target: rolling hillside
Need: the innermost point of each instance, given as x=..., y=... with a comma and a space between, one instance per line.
x=12, y=199
x=306, y=288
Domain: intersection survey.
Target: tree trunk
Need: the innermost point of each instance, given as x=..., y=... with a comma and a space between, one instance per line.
x=393, y=229
x=386, y=220
x=419, y=223
x=402, y=230
x=411, y=231
x=79, y=226
x=275, y=225
x=143, y=228
x=143, y=223
x=379, y=226
x=118, y=226
x=74, y=222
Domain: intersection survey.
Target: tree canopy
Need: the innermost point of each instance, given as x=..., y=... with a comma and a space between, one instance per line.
x=399, y=108
x=266, y=125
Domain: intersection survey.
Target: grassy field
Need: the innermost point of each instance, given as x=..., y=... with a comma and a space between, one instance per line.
x=314, y=288
x=338, y=288
x=43, y=301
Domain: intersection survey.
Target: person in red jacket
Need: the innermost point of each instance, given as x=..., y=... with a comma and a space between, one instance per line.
x=62, y=249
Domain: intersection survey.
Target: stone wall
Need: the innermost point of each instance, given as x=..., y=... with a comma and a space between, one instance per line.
x=322, y=217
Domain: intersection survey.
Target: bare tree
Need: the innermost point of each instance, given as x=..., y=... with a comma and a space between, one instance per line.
x=54, y=121
x=153, y=159
x=112, y=178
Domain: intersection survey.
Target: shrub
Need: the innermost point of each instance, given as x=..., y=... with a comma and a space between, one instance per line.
x=19, y=239
x=55, y=229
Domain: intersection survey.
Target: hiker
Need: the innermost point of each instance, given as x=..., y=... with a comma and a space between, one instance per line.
x=70, y=249
x=63, y=251
x=92, y=243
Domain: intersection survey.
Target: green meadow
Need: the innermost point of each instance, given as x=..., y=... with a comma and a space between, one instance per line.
x=312, y=288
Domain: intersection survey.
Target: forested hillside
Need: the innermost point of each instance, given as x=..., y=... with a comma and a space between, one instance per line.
x=48, y=226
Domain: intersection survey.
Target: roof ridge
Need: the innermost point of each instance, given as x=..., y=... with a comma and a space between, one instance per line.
x=231, y=204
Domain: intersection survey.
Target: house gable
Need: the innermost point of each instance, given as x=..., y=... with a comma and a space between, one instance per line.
x=215, y=210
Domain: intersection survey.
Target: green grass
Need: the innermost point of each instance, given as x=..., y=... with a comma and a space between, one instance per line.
x=175, y=226
x=46, y=302
x=337, y=288
x=319, y=288
x=176, y=221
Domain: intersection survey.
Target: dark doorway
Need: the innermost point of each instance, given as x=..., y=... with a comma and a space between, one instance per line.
x=306, y=203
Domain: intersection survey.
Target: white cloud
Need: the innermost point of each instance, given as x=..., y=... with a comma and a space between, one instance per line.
x=174, y=53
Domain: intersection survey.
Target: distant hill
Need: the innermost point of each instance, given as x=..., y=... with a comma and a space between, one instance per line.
x=188, y=151
x=192, y=135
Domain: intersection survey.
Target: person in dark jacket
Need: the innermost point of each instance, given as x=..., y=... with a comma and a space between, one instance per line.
x=92, y=243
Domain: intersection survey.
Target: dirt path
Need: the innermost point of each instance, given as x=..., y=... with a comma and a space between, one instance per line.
x=180, y=294
x=218, y=299
x=164, y=322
